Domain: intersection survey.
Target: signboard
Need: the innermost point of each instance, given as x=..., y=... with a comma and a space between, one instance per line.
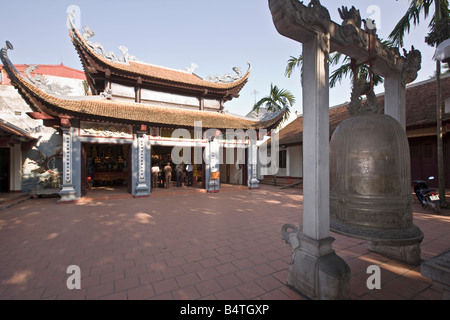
x=105, y=130
x=214, y=176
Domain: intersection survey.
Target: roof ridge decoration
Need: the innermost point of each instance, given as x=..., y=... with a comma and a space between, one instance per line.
x=100, y=49
x=52, y=107
x=126, y=58
x=42, y=82
x=228, y=78
x=191, y=69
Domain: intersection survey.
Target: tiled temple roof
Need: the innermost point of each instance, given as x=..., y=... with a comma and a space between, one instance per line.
x=10, y=129
x=99, y=108
x=152, y=74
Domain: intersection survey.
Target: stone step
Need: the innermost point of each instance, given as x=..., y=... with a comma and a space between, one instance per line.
x=281, y=182
x=11, y=200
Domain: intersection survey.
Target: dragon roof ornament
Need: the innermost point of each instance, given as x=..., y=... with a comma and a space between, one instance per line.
x=98, y=47
x=42, y=82
x=354, y=37
x=52, y=107
x=228, y=78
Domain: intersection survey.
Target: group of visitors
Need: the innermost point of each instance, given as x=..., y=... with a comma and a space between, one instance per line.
x=165, y=175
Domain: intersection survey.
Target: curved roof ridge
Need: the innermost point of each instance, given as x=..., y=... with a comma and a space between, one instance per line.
x=120, y=111
x=143, y=69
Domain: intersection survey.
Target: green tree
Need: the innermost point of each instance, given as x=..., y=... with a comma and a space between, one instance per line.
x=276, y=101
x=439, y=30
x=345, y=68
x=439, y=24
x=293, y=63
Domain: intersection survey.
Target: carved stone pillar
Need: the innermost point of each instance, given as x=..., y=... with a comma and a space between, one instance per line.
x=68, y=192
x=315, y=268
x=143, y=172
x=253, y=182
x=212, y=171
x=395, y=98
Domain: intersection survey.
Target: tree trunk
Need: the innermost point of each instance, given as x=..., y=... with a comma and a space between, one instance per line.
x=440, y=153
x=440, y=149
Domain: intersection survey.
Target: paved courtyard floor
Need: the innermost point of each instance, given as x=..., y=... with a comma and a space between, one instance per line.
x=183, y=243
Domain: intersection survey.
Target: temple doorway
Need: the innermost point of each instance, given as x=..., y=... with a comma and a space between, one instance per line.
x=233, y=169
x=4, y=169
x=106, y=167
x=161, y=155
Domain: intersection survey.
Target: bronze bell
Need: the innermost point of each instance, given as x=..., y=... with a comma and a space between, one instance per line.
x=370, y=186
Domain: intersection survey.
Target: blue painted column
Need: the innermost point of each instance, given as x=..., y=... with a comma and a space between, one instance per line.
x=68, y=192
x=141, y=166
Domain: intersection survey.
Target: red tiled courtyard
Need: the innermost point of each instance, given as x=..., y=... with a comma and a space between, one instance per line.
x=185, y=244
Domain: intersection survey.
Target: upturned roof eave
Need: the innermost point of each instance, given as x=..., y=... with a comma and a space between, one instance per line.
x=118, y=111
x=126, y=71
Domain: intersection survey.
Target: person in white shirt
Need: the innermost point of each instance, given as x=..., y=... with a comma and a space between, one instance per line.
x=155, y=173
x=189, y=169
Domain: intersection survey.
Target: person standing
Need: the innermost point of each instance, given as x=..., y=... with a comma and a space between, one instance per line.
x=168, y=174
x=179, y=173
x=189, y=171
x=155, y=174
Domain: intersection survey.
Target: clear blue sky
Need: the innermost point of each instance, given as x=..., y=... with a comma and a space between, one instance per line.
x=216, y=35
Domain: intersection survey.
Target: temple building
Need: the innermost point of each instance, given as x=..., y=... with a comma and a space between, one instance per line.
x=138, y=116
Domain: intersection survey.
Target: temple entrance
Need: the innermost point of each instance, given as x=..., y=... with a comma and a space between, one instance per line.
x=4, y=169
x=233, y=170
x=106, y=167
x=161, y=155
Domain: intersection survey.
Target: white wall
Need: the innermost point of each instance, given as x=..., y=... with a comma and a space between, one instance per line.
x=15, y=178
x=295, y=161
x=13, y=109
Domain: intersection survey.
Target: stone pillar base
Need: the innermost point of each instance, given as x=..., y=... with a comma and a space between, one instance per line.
x=400, y=244
x=438, y=270
x=142, y=190
x=68, y=193
x=213, y=186
x=316, y=271
x=253, y=184
x=408, y=253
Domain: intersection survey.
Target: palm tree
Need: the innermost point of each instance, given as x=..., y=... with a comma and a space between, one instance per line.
x=439, y=31
x=293, y=62
x=344, y=70
x=439, y=27
x=276, y=101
